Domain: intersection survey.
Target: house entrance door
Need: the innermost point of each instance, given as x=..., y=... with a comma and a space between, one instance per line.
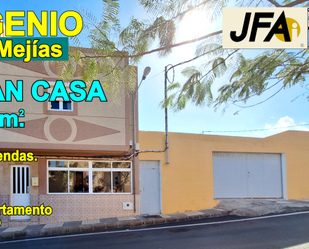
x=150, y=187
x=20, y=186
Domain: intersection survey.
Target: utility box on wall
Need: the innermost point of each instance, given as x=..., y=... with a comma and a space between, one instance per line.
x=35, y=181
x=127, y=206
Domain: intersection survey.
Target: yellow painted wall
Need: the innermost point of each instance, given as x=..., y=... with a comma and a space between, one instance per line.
x=187, y=182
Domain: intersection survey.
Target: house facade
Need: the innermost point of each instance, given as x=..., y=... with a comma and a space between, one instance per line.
x=203, y=169
x=78, y=167
x=74, y=159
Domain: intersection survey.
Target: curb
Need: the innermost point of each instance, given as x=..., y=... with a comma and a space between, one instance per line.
x=106, y=224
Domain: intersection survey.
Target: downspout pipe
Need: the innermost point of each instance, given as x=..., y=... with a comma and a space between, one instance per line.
x=134, y=148
x=166, y=118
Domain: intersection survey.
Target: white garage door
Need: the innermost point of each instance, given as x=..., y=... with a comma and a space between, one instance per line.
x=247, y=175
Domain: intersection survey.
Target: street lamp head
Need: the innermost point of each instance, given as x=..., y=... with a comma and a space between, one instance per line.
x=146, y=72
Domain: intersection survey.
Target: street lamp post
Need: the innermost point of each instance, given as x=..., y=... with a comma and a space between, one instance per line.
x=145, y=74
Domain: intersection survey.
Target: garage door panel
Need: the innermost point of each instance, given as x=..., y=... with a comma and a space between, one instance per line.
x=273, y=176
x=247, y=175
x=255, y=175
x=228, y=174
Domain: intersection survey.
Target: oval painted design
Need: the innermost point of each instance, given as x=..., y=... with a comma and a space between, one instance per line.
x=60, y=129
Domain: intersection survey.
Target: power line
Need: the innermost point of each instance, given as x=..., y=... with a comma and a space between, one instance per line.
x=273, y=128
x=156, y=75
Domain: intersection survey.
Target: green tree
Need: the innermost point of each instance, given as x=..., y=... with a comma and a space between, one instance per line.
x=103, y=61
x=247, y=77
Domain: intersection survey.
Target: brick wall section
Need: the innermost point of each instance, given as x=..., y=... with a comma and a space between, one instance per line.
x=6, y=222
x=74, y=208
x=85, y=207
x=4, y=199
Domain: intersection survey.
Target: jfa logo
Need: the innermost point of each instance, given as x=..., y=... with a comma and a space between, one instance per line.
x=265, y=27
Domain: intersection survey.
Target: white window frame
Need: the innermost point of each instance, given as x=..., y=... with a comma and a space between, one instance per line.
x=60, y=106
x=90, y=170
x=60, y=100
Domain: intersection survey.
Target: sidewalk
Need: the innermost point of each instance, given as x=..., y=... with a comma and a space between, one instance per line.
x=239, y=207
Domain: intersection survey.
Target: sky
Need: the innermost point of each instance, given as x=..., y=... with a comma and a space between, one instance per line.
x=262, y=120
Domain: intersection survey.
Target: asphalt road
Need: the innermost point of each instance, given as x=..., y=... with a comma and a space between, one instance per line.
x=271, y=232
